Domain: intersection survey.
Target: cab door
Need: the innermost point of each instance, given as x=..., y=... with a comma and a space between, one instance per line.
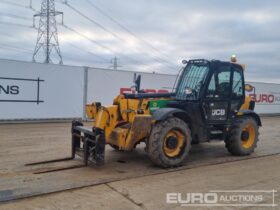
x=216, y=103
x=238, y=89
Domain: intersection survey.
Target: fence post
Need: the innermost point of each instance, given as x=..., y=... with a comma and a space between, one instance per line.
x=85, y=89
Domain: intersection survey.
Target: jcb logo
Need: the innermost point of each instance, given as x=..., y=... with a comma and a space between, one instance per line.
x=218, y=112
x=154, y=104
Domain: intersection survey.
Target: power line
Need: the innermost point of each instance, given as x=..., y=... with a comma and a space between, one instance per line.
x=16, y=24
x=88, y=52
x=29, y=51
x=98, y=56
x=14, y=16
x=17, y=5
x=101, y=45
x=72, y=58
x=86, y=37
x=14, y=48
x=93, y=21
x=104, y=28
x=25, y=50
x=128, y=31
x=80, y=34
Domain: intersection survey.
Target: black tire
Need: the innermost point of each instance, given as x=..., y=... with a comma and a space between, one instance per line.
x=235, y=141
x=155, y=144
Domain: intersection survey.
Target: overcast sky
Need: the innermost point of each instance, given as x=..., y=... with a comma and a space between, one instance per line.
x=166, y=31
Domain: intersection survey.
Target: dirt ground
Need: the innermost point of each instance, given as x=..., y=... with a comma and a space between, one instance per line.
x=128, y=180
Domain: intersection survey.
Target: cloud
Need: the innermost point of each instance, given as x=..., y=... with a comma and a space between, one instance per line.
x=179, y=29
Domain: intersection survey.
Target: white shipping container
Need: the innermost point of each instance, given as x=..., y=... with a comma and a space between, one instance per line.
x=44, y=91
x=40, y=91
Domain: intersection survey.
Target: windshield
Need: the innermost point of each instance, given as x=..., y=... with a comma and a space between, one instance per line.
x=192, y=79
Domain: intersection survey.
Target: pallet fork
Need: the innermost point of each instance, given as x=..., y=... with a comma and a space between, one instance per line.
x=87, y=143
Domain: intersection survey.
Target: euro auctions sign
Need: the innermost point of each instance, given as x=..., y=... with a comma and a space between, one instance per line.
x=265, y=93
x=266, y=98
x=224, y=198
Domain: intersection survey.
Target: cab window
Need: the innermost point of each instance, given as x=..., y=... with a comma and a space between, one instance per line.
x=192, y=78
x=237, y=83
x=219, y=86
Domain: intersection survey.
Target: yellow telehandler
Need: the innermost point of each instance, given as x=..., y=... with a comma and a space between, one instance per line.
x=209, y=102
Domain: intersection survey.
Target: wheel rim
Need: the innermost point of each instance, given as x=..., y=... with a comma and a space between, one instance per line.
x=248, y=136
x=173, y=143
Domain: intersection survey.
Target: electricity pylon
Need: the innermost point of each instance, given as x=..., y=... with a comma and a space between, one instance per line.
x=47, y=40
x=115, y=65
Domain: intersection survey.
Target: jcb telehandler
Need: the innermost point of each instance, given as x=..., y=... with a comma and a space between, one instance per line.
x=209, y=102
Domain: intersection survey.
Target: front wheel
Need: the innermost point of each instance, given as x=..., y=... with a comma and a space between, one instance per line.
x=243, y=136
x=169, y=142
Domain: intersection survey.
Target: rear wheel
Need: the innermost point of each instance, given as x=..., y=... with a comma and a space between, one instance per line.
x=243, y=137
x=169, y=142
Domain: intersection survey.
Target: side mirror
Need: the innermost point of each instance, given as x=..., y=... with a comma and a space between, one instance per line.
x=188, y=91
x=249, y=87
x=137, y=82
x=184, y=62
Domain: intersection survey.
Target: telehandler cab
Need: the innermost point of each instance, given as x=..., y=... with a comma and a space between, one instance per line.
x=209, y=102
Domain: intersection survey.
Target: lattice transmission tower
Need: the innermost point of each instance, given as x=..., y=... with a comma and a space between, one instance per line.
x=115, y=65
x=47, y=46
